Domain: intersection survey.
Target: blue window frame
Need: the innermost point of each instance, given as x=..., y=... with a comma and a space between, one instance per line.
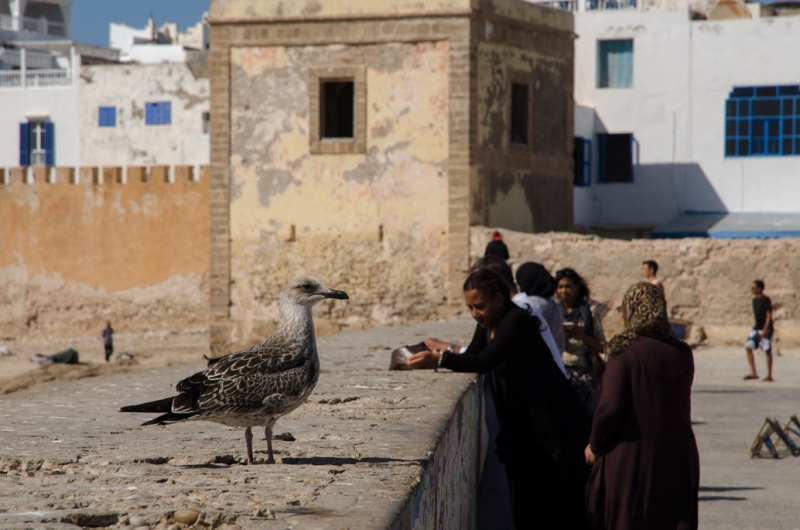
x=158, y=113
x=763, y=121
x=37, y=143
x=108, y=117
x=615, y=63
x=583, y=162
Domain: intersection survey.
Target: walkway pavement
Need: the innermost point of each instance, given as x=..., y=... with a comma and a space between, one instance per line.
x=67, y=457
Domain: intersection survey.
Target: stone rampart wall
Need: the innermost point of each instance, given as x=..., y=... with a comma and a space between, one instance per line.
x=707, y=280
x=129, y=245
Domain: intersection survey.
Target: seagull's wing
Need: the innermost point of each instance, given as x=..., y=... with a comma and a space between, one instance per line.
x=265, y=357
x=240, y=382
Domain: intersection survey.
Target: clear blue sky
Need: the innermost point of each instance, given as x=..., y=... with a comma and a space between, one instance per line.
x=90, y=18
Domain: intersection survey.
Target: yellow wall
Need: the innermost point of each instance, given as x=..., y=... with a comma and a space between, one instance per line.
x=338, y=204
x=112, y=236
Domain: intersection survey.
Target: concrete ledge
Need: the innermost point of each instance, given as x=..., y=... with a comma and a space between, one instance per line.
x=373, y=449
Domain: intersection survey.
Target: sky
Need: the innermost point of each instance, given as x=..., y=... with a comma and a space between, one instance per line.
x=90, y=18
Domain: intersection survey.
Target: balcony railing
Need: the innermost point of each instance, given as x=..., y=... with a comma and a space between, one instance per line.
x=10, y=79
x=7, y=22
x=38, y=157
x=38, y=26
x=36, y=79
x=588, y=5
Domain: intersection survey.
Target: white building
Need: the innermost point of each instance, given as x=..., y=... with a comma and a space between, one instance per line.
x=144, y=114
x=38, y=89
x=675, y=115
x=69, y=104
x=155, y=45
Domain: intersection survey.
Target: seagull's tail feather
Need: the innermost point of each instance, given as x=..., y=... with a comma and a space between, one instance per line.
x=161, y=405
x=169, y=417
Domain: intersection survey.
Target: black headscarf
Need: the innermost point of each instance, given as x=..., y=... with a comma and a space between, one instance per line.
x=534, y=280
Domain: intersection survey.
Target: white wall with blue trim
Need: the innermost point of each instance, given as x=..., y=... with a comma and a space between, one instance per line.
x=682, y=73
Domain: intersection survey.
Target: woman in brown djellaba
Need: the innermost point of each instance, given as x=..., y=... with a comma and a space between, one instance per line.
x=646, y=470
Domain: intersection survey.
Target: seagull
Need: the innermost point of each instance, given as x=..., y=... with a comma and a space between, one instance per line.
x=258, y=385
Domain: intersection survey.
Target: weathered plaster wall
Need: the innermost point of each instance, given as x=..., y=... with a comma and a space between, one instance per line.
x=706, y=280
x=75, y=254
x=132, y=141
x=365, y=223
x=524, y=187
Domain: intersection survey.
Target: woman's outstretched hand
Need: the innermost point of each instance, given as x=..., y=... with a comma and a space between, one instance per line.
x=424, y=359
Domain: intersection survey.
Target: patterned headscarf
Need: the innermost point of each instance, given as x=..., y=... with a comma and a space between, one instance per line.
x=644, y=309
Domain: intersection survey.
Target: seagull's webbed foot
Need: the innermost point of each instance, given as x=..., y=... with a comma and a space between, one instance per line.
x=248, y=437
x=268, y=436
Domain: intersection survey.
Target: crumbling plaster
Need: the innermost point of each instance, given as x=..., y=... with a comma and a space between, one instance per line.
x=363, y=223
x=524, y=191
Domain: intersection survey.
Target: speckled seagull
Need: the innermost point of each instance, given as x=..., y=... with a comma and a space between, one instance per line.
x=256, y=386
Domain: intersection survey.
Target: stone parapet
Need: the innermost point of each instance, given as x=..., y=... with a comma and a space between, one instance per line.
x=371, y=449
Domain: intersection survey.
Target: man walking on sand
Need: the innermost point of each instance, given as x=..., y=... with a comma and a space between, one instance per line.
x=761, y=334
x=108, y=340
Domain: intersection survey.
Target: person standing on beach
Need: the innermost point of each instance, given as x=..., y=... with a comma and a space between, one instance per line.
x=650, y=272
x=108, y=340
x=761, y=334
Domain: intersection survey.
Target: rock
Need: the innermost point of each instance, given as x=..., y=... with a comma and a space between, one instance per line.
x=137, y=521
x=696, y=335
x=186, y=516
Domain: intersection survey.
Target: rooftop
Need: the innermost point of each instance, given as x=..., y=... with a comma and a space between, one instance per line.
x=242, y=11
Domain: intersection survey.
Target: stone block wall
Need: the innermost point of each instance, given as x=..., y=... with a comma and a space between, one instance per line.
x=446, y=496
x=386, y=218
x=706, y=280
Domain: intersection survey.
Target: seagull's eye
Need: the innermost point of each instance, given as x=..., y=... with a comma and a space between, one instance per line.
x=307, y=286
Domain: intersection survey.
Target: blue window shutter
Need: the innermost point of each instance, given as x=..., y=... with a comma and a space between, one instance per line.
x=601, y=157
x=148, y=113
x=159, y=113
x=24, y=144
x=108, y=117
x=49, y=143
x=630, y=162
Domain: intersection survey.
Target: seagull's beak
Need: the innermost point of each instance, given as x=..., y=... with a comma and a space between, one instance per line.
x=339, y=295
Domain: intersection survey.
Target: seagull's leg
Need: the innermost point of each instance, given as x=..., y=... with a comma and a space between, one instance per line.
x=248, y=437
x=268, y=436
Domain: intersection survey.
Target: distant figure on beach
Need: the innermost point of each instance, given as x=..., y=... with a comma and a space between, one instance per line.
x=650, y=272
x=761, y=334
x=496, y=247
x=108, y=340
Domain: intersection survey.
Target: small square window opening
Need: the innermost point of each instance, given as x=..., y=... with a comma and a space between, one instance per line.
x=336, y=109
x=615, y=63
